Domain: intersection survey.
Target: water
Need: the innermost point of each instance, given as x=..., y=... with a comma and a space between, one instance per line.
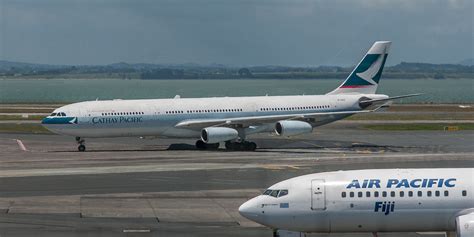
x=73, y=90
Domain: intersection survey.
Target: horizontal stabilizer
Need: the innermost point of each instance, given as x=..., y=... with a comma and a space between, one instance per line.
x=391, y=98
x=369, y=102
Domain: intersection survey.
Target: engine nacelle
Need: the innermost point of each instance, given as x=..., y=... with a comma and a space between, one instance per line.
x=292, y=128
x=465, y=225
x=218, y=134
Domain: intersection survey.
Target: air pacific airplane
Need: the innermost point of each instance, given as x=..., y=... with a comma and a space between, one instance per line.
x=226, y=119
x=390, y=200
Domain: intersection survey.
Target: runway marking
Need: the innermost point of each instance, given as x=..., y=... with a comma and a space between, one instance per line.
x=377, y=155
x=312, y=144
x=207, y=166
x=125, y=169
x=280, y=167
x=137, y=231
x=273, y=167
x=21, y=145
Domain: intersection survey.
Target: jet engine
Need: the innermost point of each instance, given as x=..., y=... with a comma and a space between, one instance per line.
x=292, y=128
x=465, y=225
x=218, y=134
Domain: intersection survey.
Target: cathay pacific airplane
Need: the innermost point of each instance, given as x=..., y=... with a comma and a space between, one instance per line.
x=226, y=119
x=385, y=200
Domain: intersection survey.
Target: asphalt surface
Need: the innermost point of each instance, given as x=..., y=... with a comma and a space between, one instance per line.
x=162, y=187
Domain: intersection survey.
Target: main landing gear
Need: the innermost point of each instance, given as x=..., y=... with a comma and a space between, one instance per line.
x=200, y=145
x=231, y=146
x=237, y=144
x=240, y=146
x=81, y=142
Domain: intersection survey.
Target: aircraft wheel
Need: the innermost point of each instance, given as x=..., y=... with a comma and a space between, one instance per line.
x=81, y=148
x=200, y=145
x=213, y=146
x=229, y=145
x=240, y=146
x=251, y=146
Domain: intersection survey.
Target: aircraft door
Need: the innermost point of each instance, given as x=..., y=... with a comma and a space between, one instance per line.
x=318, y=195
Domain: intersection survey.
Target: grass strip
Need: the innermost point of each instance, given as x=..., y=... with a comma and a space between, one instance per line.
x=417, y=127
x=19, y=117
x=427, y=116
x=23, y=128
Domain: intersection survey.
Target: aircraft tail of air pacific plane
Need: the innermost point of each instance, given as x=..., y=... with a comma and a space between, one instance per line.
x=365, y=77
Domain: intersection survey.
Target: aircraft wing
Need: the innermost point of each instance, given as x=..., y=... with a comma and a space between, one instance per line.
x=257, y=120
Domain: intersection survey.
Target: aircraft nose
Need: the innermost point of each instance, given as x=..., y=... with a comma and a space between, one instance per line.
x=249, y=210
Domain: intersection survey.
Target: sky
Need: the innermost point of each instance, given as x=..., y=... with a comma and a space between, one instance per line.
x=234, y=32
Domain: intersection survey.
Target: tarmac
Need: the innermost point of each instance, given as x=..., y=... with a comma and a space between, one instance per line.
x=164, y=187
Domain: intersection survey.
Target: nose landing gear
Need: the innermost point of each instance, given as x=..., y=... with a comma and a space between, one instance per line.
x=81, y=146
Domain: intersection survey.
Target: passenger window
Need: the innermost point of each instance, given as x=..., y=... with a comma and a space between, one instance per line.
x=402, y=194
x=376, y=194
x=464, y=193
x=283, y=193
x=392, y=194
x=384, y=194
x=429, y=193
x=420, y=193
x=351, y=194
x=359, y=194
x=343, y=194
x=367, y=194
x=446, y=193
x=267, y=192
x=274, y=193
x=437, y=193
x=410, y=193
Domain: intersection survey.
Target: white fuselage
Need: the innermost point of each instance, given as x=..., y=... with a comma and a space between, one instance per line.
x=158, y=117
x=392, y=200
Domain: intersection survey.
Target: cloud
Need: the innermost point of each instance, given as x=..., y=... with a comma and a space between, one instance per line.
x=242, y=32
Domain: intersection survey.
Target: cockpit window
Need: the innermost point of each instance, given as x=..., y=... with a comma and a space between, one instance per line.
x=274, y=193
x=58, y=114
x=283, y=193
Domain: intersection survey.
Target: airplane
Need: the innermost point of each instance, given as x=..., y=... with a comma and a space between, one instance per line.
x=377, y=200
x=226, y=119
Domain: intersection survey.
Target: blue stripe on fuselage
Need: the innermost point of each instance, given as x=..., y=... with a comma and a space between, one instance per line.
x=59, y=120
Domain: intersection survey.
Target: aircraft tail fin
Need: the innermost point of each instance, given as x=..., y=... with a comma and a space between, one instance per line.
x=365, y=77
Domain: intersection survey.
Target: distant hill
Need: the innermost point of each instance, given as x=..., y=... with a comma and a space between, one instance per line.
x=428, y=67
x=123, y=70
